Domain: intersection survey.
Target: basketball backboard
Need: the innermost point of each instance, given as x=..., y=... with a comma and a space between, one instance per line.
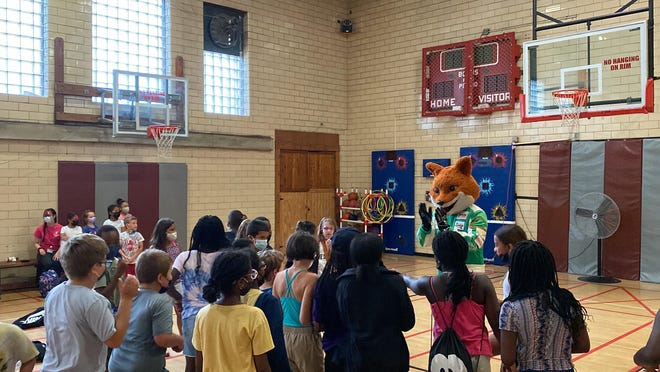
x=612, y=63
x=142, y=100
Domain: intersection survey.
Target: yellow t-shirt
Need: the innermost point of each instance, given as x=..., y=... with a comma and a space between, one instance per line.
x=14, y=346
x=251, y=297
x=229, y=336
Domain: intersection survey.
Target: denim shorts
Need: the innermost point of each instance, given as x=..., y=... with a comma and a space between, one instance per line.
x=188, y=328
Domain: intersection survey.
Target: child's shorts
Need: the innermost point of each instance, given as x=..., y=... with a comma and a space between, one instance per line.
x=303, y=347
x=188, y=329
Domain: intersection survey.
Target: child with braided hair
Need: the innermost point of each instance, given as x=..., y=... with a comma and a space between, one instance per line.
x=541, y=324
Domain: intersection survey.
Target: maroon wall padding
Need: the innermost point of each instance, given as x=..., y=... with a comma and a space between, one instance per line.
x=143, y=196
x=554, y=199
x=623, y=183
x=75, y=188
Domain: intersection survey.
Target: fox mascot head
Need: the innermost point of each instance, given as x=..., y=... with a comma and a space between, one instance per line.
x=453, y=189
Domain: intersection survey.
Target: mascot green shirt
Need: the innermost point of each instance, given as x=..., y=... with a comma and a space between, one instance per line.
x=454, y=192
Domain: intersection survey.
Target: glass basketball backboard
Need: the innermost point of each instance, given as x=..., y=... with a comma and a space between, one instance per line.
x=142, y=100
x=611, y=63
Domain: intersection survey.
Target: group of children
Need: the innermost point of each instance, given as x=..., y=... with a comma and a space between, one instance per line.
x=274, y=316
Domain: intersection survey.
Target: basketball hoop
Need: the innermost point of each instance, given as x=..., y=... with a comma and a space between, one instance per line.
x=164, y=135
x=571, y=103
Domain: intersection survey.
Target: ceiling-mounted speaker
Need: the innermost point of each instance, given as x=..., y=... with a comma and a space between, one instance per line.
x=346, y=25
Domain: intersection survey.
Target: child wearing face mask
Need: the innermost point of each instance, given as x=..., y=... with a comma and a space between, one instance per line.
x=71, y=229
x=164, y=238
x=149, y=332
x=124, y=209
x=47, y=242
x=113, y=217
x=258, y=232
x=89, y=222
x=226, y=318
x=131, y=243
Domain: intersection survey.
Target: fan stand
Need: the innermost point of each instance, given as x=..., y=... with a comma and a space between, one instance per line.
x=599, y=278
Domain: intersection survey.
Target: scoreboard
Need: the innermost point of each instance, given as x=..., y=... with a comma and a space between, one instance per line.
x=477, y=76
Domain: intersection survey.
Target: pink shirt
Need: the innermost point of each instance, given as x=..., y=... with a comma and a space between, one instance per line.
x=469, y=323
x=50, y=241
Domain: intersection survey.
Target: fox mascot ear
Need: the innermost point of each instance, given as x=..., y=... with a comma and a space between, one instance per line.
x=434, y=168
x=464, y=165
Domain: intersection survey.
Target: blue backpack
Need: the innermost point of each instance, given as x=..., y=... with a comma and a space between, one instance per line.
x=47, y=281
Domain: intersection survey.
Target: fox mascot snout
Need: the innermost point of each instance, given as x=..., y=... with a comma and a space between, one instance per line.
x=453, y=194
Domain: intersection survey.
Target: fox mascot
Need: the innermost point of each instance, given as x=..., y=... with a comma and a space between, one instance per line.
x=453, y=194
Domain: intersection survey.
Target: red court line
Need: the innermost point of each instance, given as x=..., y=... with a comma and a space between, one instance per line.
x=37, y=299
x=418, y=355
x=575, y=286
x=417, y=333
x=588, y=306
x=639, y=301
x=599, y=293
x=618, y=301
x=608, y=343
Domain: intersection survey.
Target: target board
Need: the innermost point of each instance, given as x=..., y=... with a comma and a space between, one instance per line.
x=394, y=171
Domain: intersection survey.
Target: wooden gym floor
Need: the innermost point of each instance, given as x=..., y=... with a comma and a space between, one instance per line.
x=621, y=316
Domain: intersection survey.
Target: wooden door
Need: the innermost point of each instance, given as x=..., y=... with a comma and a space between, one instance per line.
x=306, y=176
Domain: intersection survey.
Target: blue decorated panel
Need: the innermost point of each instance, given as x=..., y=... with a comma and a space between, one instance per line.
x=425, y=172
x=394, y=171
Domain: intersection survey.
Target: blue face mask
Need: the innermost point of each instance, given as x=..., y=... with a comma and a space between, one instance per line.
x=261, y=244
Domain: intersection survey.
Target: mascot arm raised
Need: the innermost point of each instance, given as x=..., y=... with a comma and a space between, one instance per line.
x=453, y=194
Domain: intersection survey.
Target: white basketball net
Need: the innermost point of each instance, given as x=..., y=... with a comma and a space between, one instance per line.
x=164, y=137
x=571, y=104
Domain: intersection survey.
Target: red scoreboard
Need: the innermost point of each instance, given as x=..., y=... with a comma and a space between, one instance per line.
x=477, y=76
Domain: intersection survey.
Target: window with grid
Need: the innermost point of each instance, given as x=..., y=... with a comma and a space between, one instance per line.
x=224, y=84
x=129, y=35
x=23, y=47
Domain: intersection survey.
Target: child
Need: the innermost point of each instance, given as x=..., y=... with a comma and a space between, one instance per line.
x=375, y=308
x=15, y=346
x=113, y=217
x=79, y=323
x=272, y=262
x=234, y=220
x=226, y=318
x=258, y=232
x=295, y=289
x=164, y=238
x=194, y=267
x=505, y=238
x=89, y=222
x=324, y=309
x=541, y=324
x=71, y=228
x=277, y=357
x=131, y=243
x=111, y=237
x=460, y=295
x=125, y=209
x=150, y=331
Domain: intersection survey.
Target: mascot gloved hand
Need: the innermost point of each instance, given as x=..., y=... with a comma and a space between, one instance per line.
x=453, y=194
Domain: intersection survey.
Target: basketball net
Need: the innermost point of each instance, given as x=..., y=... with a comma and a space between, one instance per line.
x=164, y=136
x=571, y=103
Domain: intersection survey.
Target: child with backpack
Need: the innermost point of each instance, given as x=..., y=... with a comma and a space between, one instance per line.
x=375, y=308
x=460, y=300
x=541, y=323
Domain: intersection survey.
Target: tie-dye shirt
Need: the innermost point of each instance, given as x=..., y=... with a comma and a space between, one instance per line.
x=193, y=280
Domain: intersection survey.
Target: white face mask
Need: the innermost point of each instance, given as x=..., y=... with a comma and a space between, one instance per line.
x=125, y=209
x=171, y=236
x=48, y=219
x=261, y=244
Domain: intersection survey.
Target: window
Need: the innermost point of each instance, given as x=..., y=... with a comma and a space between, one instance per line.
x=129, y=35
x=225, y=68
x=24, y=48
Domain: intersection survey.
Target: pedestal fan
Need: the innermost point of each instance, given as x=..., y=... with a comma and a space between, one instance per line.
x=596, y=216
